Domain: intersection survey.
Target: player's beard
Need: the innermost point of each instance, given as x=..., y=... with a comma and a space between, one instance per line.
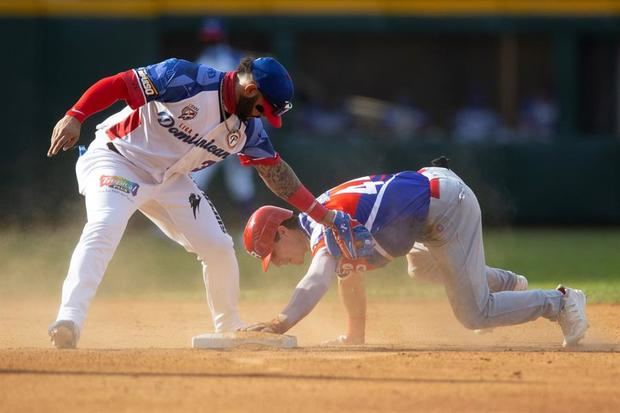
x=245, y=106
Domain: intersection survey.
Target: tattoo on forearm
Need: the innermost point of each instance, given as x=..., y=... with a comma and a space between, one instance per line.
x=280, y=178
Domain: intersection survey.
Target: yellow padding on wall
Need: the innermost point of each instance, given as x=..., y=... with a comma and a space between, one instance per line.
x=310, y=7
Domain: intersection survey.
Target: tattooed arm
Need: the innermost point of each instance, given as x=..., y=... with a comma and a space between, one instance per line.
x=280, y=178
x=283, y=182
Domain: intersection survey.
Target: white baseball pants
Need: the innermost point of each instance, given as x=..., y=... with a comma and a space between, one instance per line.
x=114, y=189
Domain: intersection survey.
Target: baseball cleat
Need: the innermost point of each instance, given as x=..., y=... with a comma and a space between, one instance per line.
x=572, y=317
x=520, y=285
x=64, y=334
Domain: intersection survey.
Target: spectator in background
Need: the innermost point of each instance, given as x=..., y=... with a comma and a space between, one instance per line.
x=476, y=121
x=538, y=116
x=322, y=114
x=239, y=180
x=403, y=120
x=324, y=119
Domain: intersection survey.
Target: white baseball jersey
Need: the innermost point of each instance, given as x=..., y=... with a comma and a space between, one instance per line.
x=175, y=122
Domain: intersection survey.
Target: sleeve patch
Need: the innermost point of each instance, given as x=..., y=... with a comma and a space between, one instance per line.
x=147, y=85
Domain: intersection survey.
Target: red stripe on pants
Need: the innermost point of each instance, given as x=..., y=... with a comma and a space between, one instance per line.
x=435, y=188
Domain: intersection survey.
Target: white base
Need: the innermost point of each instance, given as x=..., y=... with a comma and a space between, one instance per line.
x=243, y=338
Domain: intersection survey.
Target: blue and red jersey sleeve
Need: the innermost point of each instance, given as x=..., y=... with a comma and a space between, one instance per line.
x=106, y=92
x=258, y=149
x=174, y=80
x=169, y=81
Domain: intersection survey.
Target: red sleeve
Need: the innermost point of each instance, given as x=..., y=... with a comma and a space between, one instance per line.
x=106, y=92
x=303, y=200
x=249, y=161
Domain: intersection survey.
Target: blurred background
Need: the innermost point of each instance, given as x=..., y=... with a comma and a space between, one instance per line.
x=522, y=95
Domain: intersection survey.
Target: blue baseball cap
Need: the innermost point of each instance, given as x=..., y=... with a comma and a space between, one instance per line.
x=276, y=86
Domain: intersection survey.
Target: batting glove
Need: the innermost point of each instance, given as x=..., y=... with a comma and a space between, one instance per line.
x=348, y=238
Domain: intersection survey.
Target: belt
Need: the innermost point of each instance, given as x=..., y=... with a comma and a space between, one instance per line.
x=434, y=184
x=111, y=147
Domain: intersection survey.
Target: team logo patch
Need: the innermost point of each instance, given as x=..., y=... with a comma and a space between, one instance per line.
x=147, y=84
x=120, y=184
x=189, y=112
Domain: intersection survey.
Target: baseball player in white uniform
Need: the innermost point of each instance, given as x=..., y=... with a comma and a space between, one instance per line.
x=180, y=117
x=430, y=216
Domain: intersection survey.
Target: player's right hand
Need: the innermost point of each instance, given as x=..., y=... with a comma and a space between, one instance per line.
x=65, y=135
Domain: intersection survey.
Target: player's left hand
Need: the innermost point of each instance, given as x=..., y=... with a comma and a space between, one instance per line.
x=274, y=326
x=65, y=135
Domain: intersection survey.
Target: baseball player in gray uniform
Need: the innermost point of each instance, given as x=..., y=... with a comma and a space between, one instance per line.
x=430, y=216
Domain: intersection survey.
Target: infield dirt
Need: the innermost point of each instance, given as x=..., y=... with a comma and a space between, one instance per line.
x=134, y=355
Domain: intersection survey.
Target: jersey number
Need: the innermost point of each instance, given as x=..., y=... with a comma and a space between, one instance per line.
x=203, y=165
x=367, y=187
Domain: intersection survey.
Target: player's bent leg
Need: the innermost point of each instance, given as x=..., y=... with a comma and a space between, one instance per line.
x=189, y=218
x=456, y=243
x=510, y=308
x=473, y=303
x=108, y=213
x=565, y=305
x=422, y=266
x=88, y=263
x=504, y=280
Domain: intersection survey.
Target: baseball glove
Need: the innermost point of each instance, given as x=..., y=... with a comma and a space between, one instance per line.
x=348, y=238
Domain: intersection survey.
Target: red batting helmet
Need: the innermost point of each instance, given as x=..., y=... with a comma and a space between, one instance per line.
x=260, y=232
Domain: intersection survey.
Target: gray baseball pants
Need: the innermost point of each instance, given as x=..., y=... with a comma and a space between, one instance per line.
x=454, y=241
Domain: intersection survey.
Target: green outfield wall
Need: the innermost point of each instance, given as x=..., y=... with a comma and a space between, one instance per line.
x=47, y=62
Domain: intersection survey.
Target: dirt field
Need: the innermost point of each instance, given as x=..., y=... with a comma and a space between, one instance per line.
x=135, y=356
